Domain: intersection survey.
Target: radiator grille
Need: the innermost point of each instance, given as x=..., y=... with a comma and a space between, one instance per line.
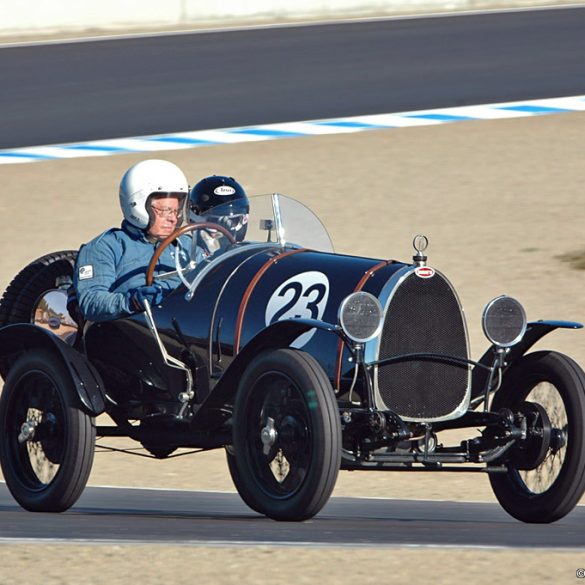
x=423, y=316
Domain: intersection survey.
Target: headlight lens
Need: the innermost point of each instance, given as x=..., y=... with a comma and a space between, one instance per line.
x=360, y=316
x=504, y=321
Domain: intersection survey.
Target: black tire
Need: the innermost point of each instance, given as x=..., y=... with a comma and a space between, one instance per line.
x=19, y=299
x=544, y=484
x=236, y=478
x=48, y=471
x=286, y=398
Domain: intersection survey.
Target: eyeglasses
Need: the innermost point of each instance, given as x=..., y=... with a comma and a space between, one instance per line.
x=166, y=211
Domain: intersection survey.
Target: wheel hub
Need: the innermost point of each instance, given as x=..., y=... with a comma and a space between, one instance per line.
x=27, y=431
x=531, y=452
x=558, y=440
x=292, y=436
x=268, y=436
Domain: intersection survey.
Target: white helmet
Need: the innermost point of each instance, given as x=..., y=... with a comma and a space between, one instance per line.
x=144, y=179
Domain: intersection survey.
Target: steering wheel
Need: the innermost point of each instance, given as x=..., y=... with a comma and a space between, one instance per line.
x=191, y=227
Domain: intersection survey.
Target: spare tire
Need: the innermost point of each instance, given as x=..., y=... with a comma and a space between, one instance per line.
x=49, y=272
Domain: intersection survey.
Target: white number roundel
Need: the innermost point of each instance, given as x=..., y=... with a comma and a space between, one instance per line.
x=301, y=296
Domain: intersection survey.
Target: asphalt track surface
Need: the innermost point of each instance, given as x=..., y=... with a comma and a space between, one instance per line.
x=124, y=515
x=106, y=89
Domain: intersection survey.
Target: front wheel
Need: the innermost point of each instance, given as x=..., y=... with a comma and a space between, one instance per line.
x=287, y=436
x=545, y=475
x=46, y=440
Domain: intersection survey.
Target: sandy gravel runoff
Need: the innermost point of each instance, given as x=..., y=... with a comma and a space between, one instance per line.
x=500, y=201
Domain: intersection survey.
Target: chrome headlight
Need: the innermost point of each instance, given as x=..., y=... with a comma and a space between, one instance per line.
x=504, y=321
x=360, y=316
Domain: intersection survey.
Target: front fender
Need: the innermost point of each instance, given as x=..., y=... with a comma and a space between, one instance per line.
x=534, y=331
x=21, y=337
x=278, y=335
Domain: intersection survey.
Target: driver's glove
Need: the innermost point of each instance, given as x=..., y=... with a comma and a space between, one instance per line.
x=151, y=293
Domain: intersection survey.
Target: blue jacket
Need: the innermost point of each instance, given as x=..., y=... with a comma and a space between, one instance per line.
x=111, y=266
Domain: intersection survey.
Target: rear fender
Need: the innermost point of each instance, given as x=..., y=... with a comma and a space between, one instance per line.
x=534, y=331
x=276, y=336
x=21, y=337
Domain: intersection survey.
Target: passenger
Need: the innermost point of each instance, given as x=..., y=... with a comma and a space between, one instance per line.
x=221, y=200
x=110, y=273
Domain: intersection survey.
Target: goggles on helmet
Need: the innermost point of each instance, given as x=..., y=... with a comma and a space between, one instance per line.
x=234, y=223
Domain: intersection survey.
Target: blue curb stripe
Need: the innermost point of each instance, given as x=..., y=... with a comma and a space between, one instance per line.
x=181, y=140
x=441, y=117
x=8, y=154
x=534, y=109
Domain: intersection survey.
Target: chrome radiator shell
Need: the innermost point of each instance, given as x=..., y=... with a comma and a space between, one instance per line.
x=424, y=326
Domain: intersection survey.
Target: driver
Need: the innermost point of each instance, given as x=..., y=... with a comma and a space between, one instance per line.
x=221, y=200
x=109, y=276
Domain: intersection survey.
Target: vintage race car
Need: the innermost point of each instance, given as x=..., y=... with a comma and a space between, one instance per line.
x=298, y=362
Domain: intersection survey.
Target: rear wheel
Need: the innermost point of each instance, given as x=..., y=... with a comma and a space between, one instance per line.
x=46, y=440
x=545, y=475
x=287, y=436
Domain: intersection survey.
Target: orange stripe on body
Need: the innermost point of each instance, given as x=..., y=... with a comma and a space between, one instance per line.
x=248, y=294
x=340, y=345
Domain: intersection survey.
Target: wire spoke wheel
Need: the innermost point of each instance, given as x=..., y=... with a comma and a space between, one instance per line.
x=47, y=441
x=36, y=439
x=541, y=478
x=286, y=436
x=545, y=475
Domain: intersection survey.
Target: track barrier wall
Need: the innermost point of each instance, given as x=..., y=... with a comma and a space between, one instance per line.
x=33, y=17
